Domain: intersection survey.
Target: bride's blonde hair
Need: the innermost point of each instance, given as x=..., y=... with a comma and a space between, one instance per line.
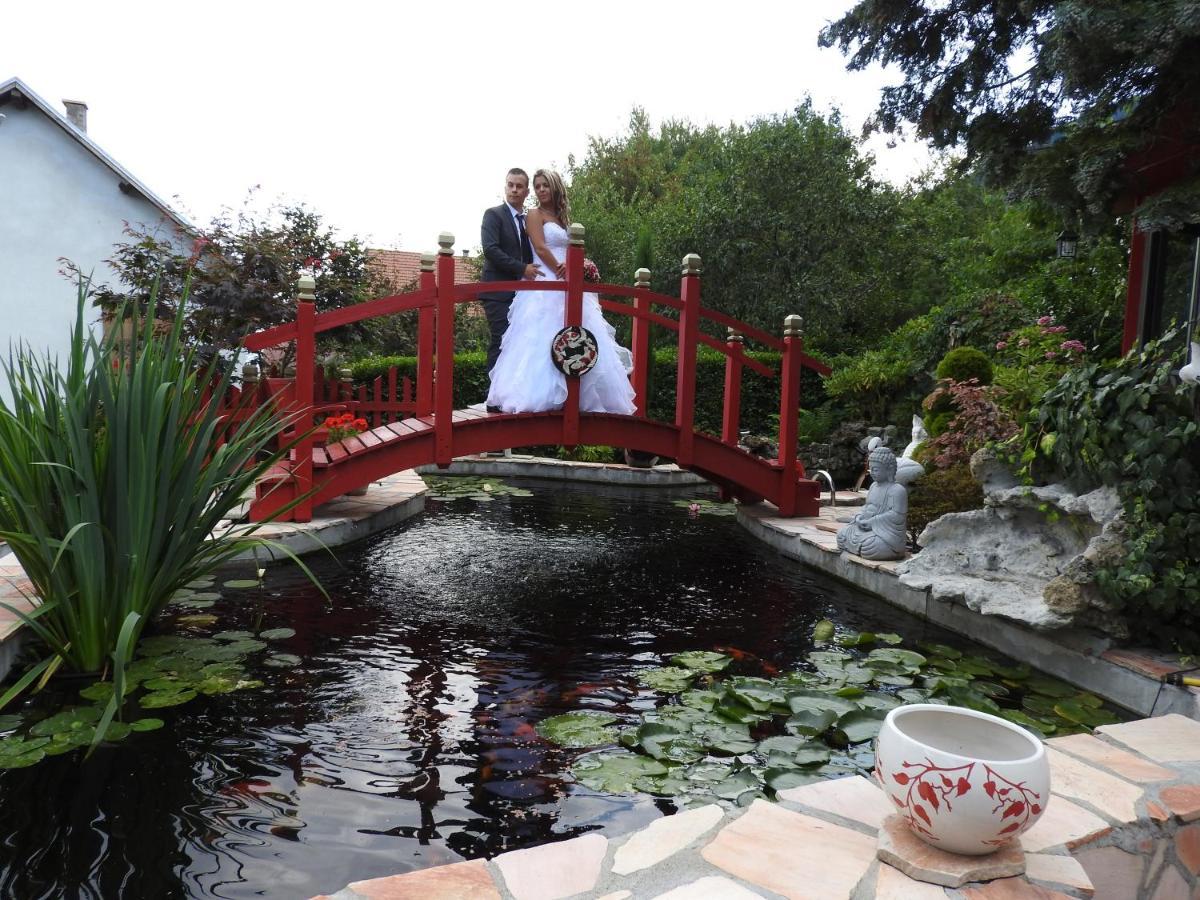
x=558, y=195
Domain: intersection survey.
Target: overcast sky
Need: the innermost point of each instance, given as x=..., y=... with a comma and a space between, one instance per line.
x=397, y=121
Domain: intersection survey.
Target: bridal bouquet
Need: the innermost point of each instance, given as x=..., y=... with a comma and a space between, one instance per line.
x=591, y=272
x=344, y=426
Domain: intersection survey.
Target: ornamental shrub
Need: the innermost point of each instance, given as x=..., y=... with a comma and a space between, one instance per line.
x=1033, y=358
x=977, y=420
x=965, y=363
x=1132, y=425
x=865, y=385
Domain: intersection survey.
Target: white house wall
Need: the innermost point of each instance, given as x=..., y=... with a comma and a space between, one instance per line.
x=57, y=199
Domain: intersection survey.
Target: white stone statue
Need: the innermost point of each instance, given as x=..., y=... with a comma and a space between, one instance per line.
x=908, y=469
x=919, y=436
x=878, y=530
x=1191, y=372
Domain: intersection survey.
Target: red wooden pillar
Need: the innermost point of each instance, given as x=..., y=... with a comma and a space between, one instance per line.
x=1135, y=287
x=641, y=345
x=573, y=315
x=789, y=409
x=733, y=388
x=426, y=318
x=685, y=377
x=443, y=402
x=306, y=351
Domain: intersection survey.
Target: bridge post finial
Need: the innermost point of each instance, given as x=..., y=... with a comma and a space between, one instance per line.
x=446, y=243
x=578, y=232
x=306, y=288
x=249, y=375
x=691, y=264
x=793, y=326
x=641, y=278
x=733, y=336
x=428, y=261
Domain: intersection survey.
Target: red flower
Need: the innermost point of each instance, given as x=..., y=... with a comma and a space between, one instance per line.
x=361, y=424
x=331, y=422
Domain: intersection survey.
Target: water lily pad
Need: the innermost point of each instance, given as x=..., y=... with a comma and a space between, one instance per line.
x=1049, y=687
x=277, y=634
x=940, y=650
x=1084, y=715
x=282, y=660
x=146, y=724
x=736, y=785
x=809, y=700
x=810, y=722
x=879, y=701
x=861, y=724
x=907, y=659
x=702, y=660
x=20, y=753
x=241, y=583
x=117, y=731
x=740, y=713
x=972, y=699
x=615, y=772
x=576, y=730
x=702, y=700
x=913, y=695
x=199, y=584
x=160, y=699
x=198, y=620
x=9, y=722
x=70, y=719
x=163, y=645
x=99, y=690
x=975, y=665
x=215, y=653
x=246, y=647
x=724, y=738
x=1038, y=727
x=850, y=692
x=989, y=688
x=234, y=636
x=668, y=679
x=786, y=778
x=665, y=743
x=758, y=699
x=859, y=675
x=860, y=639
x=823, y=631
x=889, y=638
x=194, y=604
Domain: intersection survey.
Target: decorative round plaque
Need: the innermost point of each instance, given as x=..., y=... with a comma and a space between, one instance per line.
x=574, y=351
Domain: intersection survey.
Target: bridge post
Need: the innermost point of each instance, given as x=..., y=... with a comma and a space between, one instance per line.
x=306, y=350
x=789, y=410
x=573, y=315
x=641, y=345
x=426, y=317
x=443, y=404
x=733, y=387
x=685, y=377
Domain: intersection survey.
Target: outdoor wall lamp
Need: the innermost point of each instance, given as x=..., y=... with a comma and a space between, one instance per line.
x=1068, y=244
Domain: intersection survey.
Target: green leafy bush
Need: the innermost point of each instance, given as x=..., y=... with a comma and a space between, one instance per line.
x=864, y=385
x=1032, y=359
x=1132, y=425
x=760, y=395
x=940, y=492
x=965, y=363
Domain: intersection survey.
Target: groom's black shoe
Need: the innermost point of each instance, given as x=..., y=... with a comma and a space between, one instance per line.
x=493, y=409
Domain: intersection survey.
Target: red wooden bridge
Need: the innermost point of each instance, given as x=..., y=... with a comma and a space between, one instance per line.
x=437, y=433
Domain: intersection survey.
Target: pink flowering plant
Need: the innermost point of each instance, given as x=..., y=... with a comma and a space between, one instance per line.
x=1031, y=359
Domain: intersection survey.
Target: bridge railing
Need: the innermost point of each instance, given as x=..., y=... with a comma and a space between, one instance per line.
x=438, y=294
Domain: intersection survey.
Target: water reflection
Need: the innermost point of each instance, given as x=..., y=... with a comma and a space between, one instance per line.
x=406, y=739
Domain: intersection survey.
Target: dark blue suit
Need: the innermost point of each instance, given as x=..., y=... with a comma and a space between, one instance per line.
x=505, y=256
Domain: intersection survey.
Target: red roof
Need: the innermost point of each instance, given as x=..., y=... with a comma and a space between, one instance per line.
x=403, y=267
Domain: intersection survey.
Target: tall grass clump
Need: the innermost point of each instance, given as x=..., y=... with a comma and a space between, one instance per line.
x=116, y=471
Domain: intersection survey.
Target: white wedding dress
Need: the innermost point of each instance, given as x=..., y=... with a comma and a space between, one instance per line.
x=525, y=379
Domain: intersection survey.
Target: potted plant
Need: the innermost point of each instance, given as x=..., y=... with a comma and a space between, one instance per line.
x=338, y=428
x=964, y=781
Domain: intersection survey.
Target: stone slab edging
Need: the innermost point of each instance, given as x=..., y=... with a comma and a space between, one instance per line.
x=1122, y=821
x=521, y=466
x=1128, y=678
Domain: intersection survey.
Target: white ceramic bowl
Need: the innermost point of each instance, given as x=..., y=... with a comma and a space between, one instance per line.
x=964, y=781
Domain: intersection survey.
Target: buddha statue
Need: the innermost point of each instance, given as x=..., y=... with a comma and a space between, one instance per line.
x=878, y=531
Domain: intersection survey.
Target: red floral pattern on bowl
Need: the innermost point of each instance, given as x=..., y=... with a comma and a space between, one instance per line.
x=964, y=781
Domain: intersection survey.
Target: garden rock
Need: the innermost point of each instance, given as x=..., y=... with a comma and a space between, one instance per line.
x=1030, y=555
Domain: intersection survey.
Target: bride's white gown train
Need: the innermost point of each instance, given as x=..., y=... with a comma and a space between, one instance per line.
x=525, y=378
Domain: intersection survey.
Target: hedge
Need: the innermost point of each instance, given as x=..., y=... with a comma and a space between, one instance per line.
x=760, y=395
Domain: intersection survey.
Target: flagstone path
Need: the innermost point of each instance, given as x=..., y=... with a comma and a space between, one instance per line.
x=1119, y=825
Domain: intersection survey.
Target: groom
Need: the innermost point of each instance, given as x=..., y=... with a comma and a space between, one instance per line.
x=507, y=255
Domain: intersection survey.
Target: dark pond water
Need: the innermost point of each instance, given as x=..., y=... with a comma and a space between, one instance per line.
x=405, y=739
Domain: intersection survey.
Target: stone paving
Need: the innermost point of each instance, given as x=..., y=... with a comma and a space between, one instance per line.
x=1118, y=825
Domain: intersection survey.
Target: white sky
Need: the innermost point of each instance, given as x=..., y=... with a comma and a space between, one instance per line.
x=397, y=121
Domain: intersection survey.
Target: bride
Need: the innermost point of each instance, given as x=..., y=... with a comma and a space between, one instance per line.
x=524, y=378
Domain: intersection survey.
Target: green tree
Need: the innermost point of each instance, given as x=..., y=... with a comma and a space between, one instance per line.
x=244, y=268
x=1084, y=83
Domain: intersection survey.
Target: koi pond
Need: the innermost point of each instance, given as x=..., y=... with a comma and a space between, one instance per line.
x=523, y=663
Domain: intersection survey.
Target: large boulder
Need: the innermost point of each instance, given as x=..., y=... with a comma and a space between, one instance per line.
x=1031, y=554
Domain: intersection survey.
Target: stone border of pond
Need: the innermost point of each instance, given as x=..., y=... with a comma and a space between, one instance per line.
x=1128, y=677
x=524, y=466
x=1121, y=818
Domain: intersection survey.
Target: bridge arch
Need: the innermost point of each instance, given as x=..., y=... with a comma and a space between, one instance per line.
x=436, y=432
